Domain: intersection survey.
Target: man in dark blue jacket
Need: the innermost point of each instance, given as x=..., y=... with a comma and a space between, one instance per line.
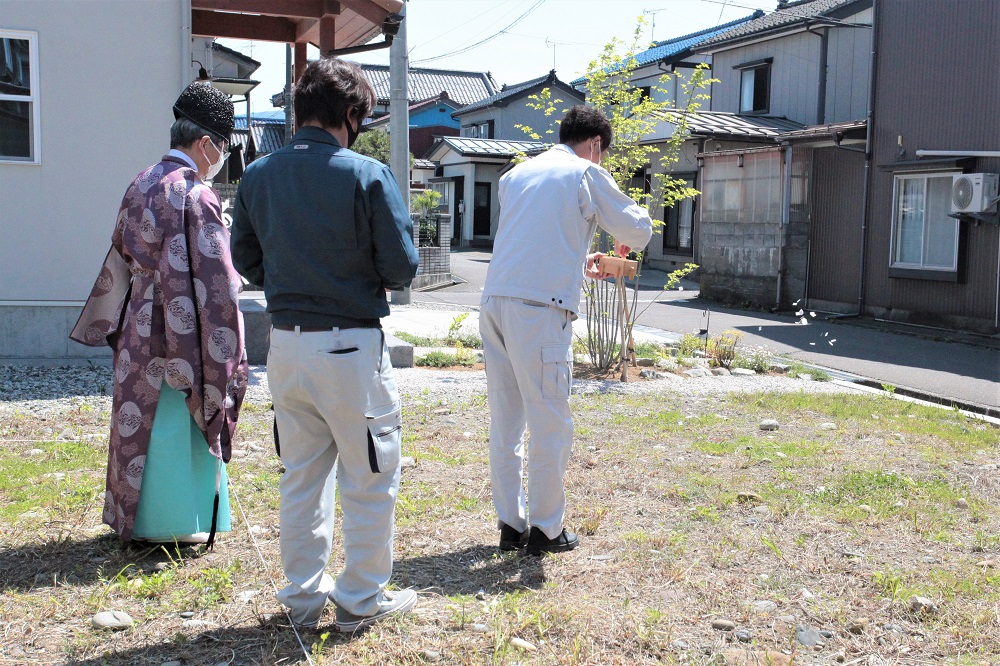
x=325, y=231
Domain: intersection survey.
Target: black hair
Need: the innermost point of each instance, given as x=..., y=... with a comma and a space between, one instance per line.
x=585, y=122
x=328, y=88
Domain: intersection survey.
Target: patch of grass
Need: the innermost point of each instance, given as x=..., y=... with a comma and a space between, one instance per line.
x=467, y=340
x=213, y=585
x=796, y=369
x=443, y=359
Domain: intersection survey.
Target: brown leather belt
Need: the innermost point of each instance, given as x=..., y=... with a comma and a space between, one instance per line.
x=304, y=329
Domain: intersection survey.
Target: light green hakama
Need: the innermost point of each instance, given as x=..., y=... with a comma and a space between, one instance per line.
x=179, y=477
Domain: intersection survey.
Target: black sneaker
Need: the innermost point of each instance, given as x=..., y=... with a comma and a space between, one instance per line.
x=511, y=539
x=538, y=543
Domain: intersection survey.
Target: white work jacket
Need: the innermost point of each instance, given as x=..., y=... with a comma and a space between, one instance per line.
x=550, y=208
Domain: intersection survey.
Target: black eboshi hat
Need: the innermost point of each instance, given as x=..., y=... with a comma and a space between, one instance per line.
x=207, y=107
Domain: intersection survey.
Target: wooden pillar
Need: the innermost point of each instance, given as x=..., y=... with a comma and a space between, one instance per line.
x=300, y=60
x=327, y=27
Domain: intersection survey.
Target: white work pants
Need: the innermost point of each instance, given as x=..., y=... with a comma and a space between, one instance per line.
x=335, y=403
x=529, y=369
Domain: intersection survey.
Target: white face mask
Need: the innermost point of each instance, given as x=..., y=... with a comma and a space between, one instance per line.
x=215, y=167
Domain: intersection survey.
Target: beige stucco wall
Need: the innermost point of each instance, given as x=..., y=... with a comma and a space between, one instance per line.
x=108, y=72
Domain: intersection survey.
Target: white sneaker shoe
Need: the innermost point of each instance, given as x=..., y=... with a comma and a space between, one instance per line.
x=393, y=603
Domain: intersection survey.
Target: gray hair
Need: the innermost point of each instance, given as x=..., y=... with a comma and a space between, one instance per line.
x=184, y=132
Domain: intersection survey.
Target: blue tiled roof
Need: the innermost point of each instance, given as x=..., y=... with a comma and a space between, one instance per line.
x=268, y=131
x=676, y=46
x=469, y=147
x=514, y=90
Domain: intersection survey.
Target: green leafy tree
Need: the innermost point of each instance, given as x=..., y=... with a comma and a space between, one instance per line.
x=634, y=116
x=375, y=144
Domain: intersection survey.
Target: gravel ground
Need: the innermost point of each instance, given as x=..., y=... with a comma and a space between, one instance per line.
x=43, y=391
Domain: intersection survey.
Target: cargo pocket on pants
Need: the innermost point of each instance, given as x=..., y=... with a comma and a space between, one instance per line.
x=556, y=371
x=385, y=429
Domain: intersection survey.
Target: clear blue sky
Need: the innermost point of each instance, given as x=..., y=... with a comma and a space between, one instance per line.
x=566, y=34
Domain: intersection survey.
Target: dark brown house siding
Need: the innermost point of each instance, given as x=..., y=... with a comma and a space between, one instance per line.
x=937, y=88
x=835, y=232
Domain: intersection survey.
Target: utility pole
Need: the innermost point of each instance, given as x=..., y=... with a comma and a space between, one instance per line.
x=399, y=125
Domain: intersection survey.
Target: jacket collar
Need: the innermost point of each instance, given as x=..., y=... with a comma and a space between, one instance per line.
x=315, y=134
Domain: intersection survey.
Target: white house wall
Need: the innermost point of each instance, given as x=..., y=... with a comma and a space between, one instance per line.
x=794, y=76
x=109, y=72
x=795, y=73
x=849, y=70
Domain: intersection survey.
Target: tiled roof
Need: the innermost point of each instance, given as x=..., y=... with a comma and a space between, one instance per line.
x=722, y=124
x=515, y=90
x=785, y=15
x=268, y=132
x=469, y=147
x=462, y=87
x=423, y=164
x=825, y=131
x=679, y=46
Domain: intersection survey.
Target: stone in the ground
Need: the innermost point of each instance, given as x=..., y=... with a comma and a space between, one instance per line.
x=828, y=426
x=195, y=625
x=858, y=626
x=522, y=644
x=779, y=367
x=806, y=594
x=743, y=635
x=807, y=635
x=720, y=372
x=743, y=657
x=962, y=503
x=769, y=425
x=722, y=624
x=648, y=374
x=922, y=605
x=430, y=655
x=697, y=372
x=161, y=566
x=67, y=434
x=865, y=508
x=748, y=496
x=407, y=461
x=186, y=614
x=742, y=372
x=34, y=452
x=172, y=663
x=113, y=620
x=679, y=645
x=442, y=410
x=451, y=421
x=645, y=362
x=987, y=564
x=478, y=628
x=764, y=606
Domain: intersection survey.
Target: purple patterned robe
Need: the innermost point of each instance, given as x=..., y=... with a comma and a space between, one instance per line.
x=167, y=302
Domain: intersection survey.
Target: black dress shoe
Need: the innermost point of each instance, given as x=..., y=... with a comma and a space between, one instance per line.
x=538, y=543
x=511, y=539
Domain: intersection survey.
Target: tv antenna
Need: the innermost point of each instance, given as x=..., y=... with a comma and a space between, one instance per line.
x=653, y=13
x=554, y=43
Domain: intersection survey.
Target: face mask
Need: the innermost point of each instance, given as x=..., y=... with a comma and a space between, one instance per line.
x=215, y=167
x=352, y=134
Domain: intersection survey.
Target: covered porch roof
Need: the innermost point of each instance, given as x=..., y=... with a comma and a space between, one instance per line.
x=327, y=24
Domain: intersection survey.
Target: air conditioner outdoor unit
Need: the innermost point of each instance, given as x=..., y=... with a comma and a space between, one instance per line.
x=974, y=192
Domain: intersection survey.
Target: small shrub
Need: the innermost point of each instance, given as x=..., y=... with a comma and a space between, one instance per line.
x=443, y=359
x=722, y=348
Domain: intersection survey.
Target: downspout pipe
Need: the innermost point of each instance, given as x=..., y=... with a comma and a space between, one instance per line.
x=824, y=54
x=786, y=215
x=869, y=122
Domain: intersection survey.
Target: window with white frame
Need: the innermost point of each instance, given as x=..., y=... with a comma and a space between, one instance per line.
x=483, y=130
x=19, y=132
x=923, y=236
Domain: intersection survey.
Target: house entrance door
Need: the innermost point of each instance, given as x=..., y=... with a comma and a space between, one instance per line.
x=481, y=213
x=457, y=210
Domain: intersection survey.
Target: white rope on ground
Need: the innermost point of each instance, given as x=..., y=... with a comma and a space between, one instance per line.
x=263, y=561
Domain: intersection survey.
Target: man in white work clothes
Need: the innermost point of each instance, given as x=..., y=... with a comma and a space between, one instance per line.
x=550, y=208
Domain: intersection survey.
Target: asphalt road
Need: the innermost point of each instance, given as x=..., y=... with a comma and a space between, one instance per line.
x=935, y=363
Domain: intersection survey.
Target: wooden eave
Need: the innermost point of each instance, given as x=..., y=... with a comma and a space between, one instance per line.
x=327, y=24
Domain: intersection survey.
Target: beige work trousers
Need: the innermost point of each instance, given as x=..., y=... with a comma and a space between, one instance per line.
x=529, y=368
x=338, y=420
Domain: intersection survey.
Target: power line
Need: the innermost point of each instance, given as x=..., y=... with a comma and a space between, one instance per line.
x=474, y=19
x=520, y=18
